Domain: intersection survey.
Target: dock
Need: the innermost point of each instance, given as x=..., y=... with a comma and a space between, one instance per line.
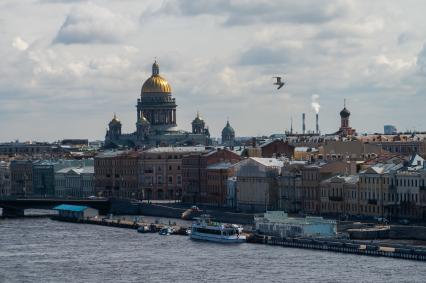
x=346, y=246
x=120, y=223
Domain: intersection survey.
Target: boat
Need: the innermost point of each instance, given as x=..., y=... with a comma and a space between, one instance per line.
x=203, y=228
x=166, y=231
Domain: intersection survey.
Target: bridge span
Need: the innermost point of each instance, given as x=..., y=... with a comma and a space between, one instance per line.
x=15, y=207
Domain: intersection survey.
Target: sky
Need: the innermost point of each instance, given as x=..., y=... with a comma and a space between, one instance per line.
x=68, y=65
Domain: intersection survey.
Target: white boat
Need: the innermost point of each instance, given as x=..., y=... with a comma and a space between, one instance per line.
x=203, y=228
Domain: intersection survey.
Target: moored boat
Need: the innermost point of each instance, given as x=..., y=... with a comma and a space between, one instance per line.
x=203, y=228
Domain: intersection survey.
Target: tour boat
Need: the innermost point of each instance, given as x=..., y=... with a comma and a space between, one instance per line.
x=203, y=228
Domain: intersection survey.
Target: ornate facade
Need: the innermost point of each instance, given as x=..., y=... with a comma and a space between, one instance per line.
x=156, y=122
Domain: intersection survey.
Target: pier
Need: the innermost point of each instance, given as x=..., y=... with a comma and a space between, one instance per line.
x=346, y=246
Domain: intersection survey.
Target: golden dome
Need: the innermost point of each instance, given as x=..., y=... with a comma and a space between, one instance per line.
x=115, y=119
x=156, y=83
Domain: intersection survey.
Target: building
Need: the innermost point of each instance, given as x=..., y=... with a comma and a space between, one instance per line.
x=278, y=224
x=312, y=175
x=216, y=188
x=75, y=182
x=231, y=194
x=228, y=135
x=21, y=177
x=390, y=130
x=162, y=170
x=156, y=123
x=28, y=148
x=75, y=211
x=256, y=183
x=339, y=195
x=5, y=189
x=277, y=148
x=204, y=175
x=289, y=188
x=116, y=174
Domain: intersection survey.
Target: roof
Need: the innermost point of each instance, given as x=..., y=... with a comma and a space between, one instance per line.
x=272, y=162
x=177, y=149
x=221, y=165
x=70, y=207
x=78, y=170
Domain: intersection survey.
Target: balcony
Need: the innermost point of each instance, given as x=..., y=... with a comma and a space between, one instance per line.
x=332, y=198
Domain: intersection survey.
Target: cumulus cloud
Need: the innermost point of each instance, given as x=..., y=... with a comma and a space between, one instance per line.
x=243, y=12
x=89, y=23
x=421, y=60
x=19, y=44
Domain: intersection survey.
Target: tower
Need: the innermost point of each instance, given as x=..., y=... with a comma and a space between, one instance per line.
x=114, y=129
x=228, y=135
x=142, y=128
x=198, y=125
x=303, y=123
x=345, y=129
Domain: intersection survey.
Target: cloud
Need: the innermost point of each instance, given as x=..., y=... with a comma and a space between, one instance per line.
x=421, y=60
x=244, y=12
x=89, y=23
x=19, y=44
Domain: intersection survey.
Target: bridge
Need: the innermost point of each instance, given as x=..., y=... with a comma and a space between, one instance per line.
x=15, y=207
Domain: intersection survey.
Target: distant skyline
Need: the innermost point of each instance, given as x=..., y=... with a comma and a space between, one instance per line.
x=67, y=66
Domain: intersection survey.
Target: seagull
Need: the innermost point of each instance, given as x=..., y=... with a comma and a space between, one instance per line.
x=279, y=83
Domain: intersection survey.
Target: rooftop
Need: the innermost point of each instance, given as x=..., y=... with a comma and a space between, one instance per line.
x=69, y=207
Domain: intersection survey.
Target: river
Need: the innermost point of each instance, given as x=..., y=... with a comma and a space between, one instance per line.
x=43, y=250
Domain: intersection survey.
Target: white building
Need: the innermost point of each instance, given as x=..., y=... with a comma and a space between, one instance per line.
x=75, y=182
x=256, y=183
x=4, y=179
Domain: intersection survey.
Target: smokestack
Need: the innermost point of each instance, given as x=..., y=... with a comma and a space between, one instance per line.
x=317, y=125
x=303, y=123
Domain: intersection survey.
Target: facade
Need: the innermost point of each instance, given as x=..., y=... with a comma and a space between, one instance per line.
x=312, y=175
x=204, y=175
x=289, y=188
x=256, y=183
x=277, y=223
x=116, y=174
x=21, y=175
x=75, y=182
x=277, y=148
x=339, y=195
x=161, y=171
x=216, y=188
x=5, y=189
x=25, y=148
x=156, y=123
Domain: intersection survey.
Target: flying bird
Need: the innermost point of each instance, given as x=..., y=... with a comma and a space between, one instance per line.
x=279, y=83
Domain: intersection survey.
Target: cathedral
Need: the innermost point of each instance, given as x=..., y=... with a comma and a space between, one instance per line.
x=156, y=120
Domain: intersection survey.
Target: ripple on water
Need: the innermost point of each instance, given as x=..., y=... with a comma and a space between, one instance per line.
x=42, y=250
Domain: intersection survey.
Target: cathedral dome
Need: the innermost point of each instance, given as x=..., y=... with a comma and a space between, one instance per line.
x=198, y=119
x=228, y=130
x=115, y=120
x=156, y=83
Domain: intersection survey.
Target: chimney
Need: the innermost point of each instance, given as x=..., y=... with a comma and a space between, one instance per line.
x=317, y=125
x=303, y=123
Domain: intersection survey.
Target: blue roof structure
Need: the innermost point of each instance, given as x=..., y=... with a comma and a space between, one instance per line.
x=70, y=207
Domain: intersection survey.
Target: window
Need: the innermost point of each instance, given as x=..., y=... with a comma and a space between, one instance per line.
x=159, y=179
x=170, y=180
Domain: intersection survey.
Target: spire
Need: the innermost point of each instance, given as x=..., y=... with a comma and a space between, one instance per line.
x=155, y=68
x=291, y=125
x=344, y=103
x=198, y=114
